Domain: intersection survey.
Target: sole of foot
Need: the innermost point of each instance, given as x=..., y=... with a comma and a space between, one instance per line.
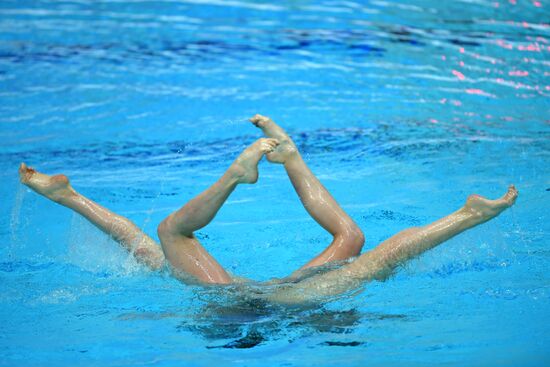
x=245, y=167
x=55, y=187
x=486, y=209
x=286, y=149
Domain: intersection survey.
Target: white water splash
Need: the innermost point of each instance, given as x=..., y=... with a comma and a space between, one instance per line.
x=15, y=219
x=94, y=251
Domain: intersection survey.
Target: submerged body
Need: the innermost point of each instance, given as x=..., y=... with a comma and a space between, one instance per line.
x=190, y=261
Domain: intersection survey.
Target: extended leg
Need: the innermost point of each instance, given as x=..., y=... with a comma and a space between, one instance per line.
x=348, y=238
x=57, y=188
x=181, y=247
x=382, y=260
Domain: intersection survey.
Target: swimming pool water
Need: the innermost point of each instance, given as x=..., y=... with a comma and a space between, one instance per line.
x=401, y=108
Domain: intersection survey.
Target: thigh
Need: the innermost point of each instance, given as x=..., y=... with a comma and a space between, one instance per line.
x=186, y=254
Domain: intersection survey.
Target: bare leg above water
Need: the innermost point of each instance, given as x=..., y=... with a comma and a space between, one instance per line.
x=181, y=247
x=414, y=241
x=57, y=188
x=380, y=262
x=348, y=239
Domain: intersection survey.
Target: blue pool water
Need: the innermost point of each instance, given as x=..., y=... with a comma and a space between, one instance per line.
x=402, y=108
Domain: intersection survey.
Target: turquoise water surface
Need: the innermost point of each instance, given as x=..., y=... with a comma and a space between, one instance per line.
x=402, y=108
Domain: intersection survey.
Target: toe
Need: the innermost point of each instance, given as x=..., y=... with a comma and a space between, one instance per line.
x=25, y=172
x=22, y=171
x=256, y=119
x=259, y=120
x=267, y=147
x=511, y=195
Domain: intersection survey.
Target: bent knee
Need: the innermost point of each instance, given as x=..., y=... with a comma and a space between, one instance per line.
x=168, y=229
x=358, y=238
x=354, y=239
x=162, y=228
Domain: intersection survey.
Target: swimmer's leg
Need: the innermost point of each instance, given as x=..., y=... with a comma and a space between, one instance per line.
x=57, y=188
x=348, y=239
x=181, y=247
x=383, y=259
x=380, y=262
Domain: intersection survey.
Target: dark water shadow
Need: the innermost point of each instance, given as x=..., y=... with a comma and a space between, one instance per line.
x=246, y=324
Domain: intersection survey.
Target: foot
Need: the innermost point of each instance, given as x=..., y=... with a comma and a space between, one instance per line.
x=286, y=149
x=485, y=209
x=55, y=188
x=245, y=167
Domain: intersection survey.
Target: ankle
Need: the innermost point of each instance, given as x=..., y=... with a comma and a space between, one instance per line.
x=293, y=159
x=66, y=197
x=471, y=216
x=234, y=174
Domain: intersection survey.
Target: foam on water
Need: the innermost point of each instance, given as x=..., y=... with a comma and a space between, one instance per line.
x=94, y=251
